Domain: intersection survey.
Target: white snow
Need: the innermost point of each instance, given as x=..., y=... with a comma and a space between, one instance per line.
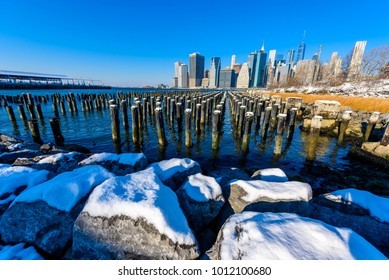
x=273, y=236
x=378, y=206
x=167, y=168
x=202, y=188
x=125, y=158
x=19, y=252
x=13, y=177
x=286, y=191
x=141, y=195
x=67, y=189
x=58, y=157
x=272, y=175
x=14, y=147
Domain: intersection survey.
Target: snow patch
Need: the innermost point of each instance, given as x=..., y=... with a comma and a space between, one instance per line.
x=141, y=195
x=58, y=157
x=126, y=158
x=167, y=168
x=67, y=189
x=271, y=236
x=202, y=188
x=271, y=175
x=378, y=206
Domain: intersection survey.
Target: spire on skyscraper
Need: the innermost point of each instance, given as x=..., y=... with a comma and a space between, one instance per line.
x=263, y=47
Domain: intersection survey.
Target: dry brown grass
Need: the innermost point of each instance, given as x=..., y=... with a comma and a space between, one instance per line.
x=356, y=103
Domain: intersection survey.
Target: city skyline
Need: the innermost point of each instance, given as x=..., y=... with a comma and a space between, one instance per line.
x=135, y=44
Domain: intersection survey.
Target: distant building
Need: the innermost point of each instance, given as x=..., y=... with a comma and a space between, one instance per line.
x=290, y=58
x=305, y=71
x=282, y=73
x=272, y=57
x=237, y=67
x=260, y=69
x=196, y=70
x=183, y=76
x=233, y=61
x=175, y=82
x=331, y=67
x=176, y=67
x=205, y=83
x=206, y=73
x=252, y=62
x=301, y=50
x=354, y=69
x=244, y=76
x=227, y=78
x=214, y=72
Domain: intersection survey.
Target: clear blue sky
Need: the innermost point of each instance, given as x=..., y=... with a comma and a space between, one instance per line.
x=135, y=43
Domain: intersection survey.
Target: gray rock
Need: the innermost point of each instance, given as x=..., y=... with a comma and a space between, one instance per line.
x=201, y=199
x=11, y=157
x=133, y=217
x=174, y=172
x=120, y=165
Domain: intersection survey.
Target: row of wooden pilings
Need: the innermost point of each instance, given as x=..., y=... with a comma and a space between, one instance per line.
x=270, y=116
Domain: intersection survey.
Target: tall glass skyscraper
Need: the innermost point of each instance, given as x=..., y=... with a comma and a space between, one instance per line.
x=196, y=69
x=260, y=69
x=214, y=72
x=301, y=50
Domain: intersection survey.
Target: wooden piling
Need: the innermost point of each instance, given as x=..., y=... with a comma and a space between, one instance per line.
x=291, y=123
x=34, y=129
x=160, y=127
x=135, y=123
x=39, y=111
x=125, y=114
x=56, y=129
x=346, y=117
x=197, y=118
x=281, y=118
x=385, y=137
x=313, y=137
x=242, y=116
x=188, y=128
x=179, y=116
x=22, y=113
x=371, y=125
x=11, y=114
x=248, y=121
x=62, y=108
x=31, y=110
x=115, y=122
x=265, y=125
x=216, y=129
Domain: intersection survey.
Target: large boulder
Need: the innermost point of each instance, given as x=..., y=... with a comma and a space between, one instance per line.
x=363, y=212
x=15, y=179
x=201, y=199
x=120, y=165
x=19, y=252
x=44, y=215
x=174, y=172
x=10, y=157
x=133, y=217
x=286, y=236
x=269, y=196
x=61, y=162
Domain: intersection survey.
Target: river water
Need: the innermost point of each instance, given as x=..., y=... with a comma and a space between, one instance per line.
x=332, y=169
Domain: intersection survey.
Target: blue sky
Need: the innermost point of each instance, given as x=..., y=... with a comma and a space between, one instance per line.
x=135, y=43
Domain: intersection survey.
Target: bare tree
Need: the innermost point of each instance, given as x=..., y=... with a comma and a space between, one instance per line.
x=374, y=61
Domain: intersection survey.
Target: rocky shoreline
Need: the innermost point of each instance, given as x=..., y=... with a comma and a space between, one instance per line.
x=61, y=204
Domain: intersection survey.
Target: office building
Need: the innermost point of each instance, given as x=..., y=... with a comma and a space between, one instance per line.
x=301, y=50
x=252, y=62
x=272, y=57
x=244, y=76
x=227, y=78
x=260, y=72
x=214, y=72
x=183, y=76
x=196, y=70
x=233, y=61
x=290, y=58
x=354, y=69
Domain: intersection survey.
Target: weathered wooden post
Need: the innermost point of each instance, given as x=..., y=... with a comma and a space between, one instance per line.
x=179, y=116
x=34, y=129
x=346, y=117
x=188, y=128
x=265, y=125
x=385, y=138
x=197, y=118
x=215, y=129
x=242, y=116
x=31, y=110
x=313, y=138
x=135, y=123
x=62, y=108
x=55, y=109
x=280, y=130
x=258, y=117
x=22, y=113
x=39, y=111
x=160, y=127
x=125, y=114
x=11, y=114
x=115, y=122
x=291, y=124
x=248, y=120
x=55, y=127
x=371, y=125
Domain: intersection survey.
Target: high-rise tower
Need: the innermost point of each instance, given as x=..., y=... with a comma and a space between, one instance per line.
x=196, y=69
x=214, y=72
x=260, y=69
x=354, y=69
x=301, y=50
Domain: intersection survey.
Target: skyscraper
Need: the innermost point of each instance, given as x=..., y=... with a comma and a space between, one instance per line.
x=260, y=69
x=290, y=58
x=196, y=69
x=252, y=62
x=176, y=69
x=183, y=76
x=227, y=78
x=233, y=61
x=244, y=76
x=272, y=56
x=354, y=69
x=301, y=50
x=214, y=72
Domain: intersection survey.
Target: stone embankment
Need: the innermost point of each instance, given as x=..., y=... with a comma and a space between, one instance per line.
x=68, y=205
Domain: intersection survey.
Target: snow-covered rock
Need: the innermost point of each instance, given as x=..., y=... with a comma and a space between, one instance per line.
x=133, y=217
x=61, y=162
x=44, y=215
x=15, y=179
x=120, y=165
x=361, y=211
x=10, y=157
x=174, y=172
x=19, y=252
x=273, y=236
x=265, y=194
x=270, y=175
x=225, y=175
x=201, y=199
x=10, y=144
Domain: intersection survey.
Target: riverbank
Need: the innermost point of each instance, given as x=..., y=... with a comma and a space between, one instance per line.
x=176, y=209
